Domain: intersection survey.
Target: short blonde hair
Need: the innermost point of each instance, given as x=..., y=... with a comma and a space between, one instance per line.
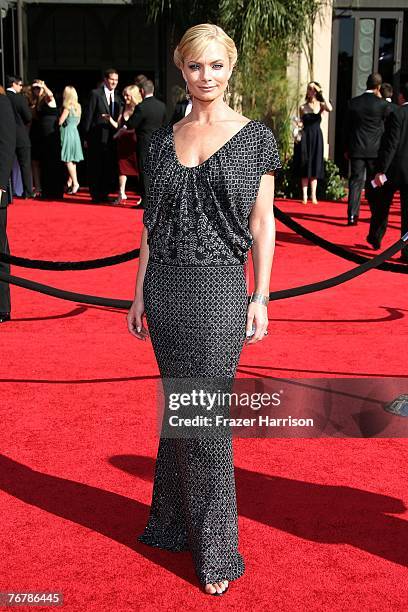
x=196, y=39
x=70, y=100
x=134, y=93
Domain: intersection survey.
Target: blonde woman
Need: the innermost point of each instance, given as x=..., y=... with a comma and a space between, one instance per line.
x=71, y=149
x=210, y=199
x=126, y=141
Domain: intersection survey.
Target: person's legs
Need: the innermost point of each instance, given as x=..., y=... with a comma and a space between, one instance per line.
x=305, y=184
x=404, y=218
x=122, y=186
x=380, y=202
x=370, y=192
x=356, y=182
x=5, y=305
x=71, y=167
x=36, y=170
x=313, y=187
x=23, y=155
x=109, y=176
x=95, y=168
x=194, y=498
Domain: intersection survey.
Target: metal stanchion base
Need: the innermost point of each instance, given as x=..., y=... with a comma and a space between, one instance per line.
x=399, y=406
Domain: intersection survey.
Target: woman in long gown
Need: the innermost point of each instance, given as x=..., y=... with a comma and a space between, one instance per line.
x=210, y=199
x=309, y=152
x=52, y=169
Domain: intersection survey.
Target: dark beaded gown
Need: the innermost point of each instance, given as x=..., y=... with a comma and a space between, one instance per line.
x=196, y=301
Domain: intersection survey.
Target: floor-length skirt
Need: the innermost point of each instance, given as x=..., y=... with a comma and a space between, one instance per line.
x=196, y=317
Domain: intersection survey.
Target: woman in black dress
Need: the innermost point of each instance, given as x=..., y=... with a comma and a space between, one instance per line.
x=308, y=153
x=52, y=168
x=32, y=94
x=210, y=199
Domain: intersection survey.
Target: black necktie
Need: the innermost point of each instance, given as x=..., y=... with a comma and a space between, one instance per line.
x=111, y=104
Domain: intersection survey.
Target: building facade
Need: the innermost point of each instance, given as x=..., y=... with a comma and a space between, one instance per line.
x=71, y=42
x=353, y=38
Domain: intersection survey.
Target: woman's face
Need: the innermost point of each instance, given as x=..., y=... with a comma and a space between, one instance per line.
x=37, y=91
x=128, y=98
x=207, y=76
x=310, y=92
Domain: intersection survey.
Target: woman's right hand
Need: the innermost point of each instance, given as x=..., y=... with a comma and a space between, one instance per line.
x=135, y=320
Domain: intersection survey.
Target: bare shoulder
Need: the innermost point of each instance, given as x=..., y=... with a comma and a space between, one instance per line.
x=238, y=119
x=177, y=126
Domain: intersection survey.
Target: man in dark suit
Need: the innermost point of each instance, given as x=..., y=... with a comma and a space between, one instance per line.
x=387, y=93
x=23, y=145
x=364, y=128
x=392, y=163
x=149, y=115
x=7, y=152
x=98, y=125
x=183, y=107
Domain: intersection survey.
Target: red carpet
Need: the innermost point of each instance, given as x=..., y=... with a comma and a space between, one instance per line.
x=323, y=522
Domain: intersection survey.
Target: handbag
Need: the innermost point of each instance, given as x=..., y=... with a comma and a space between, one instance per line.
x=297, y=131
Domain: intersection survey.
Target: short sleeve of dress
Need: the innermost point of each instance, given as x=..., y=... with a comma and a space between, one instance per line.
x=269, y=159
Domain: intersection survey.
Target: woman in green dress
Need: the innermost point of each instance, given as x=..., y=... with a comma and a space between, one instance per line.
x=71, y=149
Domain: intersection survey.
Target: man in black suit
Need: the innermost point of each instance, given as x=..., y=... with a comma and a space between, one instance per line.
x=183, y=107
x=387, y=93
x=7, y=152
x=392, y=163
x=149, y=115
x=23, y=145
x=364, y=128
x=98, y=125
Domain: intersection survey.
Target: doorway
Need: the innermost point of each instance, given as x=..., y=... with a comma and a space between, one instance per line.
x=363, y=42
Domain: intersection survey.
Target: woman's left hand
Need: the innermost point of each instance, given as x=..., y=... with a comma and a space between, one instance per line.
x=257, y=316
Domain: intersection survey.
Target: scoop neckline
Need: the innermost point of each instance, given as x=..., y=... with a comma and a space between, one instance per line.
x=227, y=142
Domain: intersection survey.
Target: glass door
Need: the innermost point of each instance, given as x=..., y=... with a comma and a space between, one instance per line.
x=377, y=47
x=363, y=42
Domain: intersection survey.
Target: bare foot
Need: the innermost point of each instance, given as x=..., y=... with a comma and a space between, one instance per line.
x=216, y=587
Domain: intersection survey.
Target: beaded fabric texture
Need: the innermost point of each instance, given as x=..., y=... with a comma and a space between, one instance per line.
x=199, y=215
x=195, y=299
x=196, y=318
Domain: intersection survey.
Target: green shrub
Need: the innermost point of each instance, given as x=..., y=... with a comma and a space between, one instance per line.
x=288, y=184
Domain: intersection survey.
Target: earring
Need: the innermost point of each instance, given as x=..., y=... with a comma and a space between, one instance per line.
x=188, y=95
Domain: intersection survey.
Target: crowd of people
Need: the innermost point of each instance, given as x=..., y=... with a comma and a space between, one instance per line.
x=46, y=141
x=112, y=133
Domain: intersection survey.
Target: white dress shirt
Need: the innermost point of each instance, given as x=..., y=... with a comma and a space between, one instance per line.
x=188, y=108
x=110, y=94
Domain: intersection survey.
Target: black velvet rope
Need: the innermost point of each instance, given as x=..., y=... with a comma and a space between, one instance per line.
x=345, y=276
x=40, y=264
x=275, y=295
x=334, y=248
x=90, y=264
